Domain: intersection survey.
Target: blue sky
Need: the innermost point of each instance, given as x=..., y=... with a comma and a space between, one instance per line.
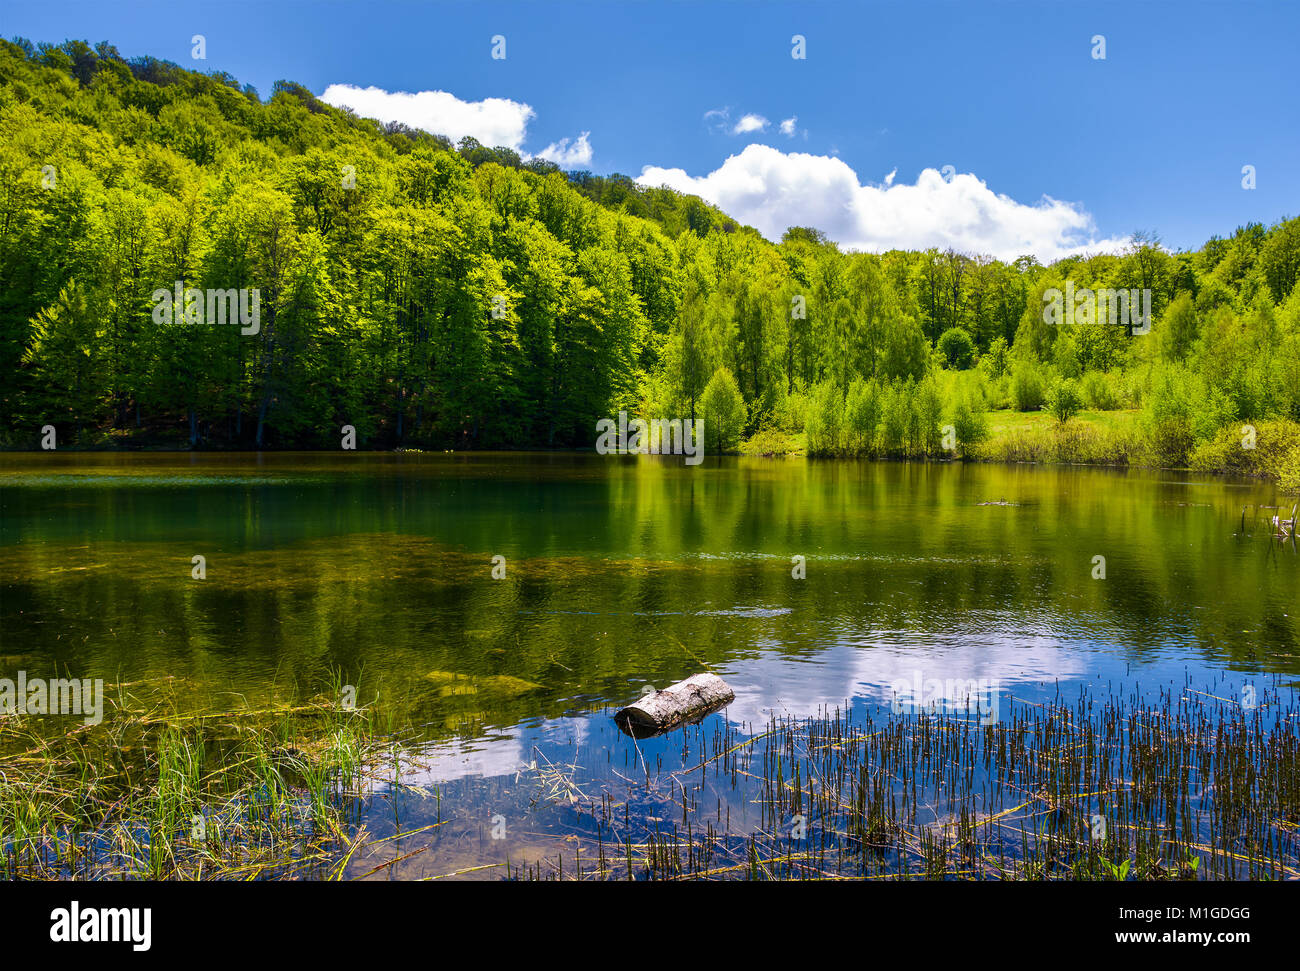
x=1007, y=93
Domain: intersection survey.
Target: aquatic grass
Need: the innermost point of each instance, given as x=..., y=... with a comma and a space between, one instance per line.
x=227, y=795
x=1188, y=786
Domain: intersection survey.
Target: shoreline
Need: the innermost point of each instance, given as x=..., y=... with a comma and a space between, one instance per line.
x=1274, y=472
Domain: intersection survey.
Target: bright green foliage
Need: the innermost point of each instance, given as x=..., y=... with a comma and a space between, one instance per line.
x=896, y=420
x=1289, y=482
x=957, y=348
x=927, y=436
x=995, y=359
x=970, y=423
x=456, y=296
x=1178, y=329
x=1064, y=400
x=861, y=417
x=1099, y=392
x=1027, y=391
x=1066, y=351
x=825, y=422
x=1179, y=412
x=723, y=409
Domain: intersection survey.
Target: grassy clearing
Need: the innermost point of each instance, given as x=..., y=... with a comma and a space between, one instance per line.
x=1090, y=438
x=1011, y=434
x=1113, y=438
x=1007, y=421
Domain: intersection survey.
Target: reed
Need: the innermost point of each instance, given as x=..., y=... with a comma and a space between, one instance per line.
x=162, y=795
x=1186, y=786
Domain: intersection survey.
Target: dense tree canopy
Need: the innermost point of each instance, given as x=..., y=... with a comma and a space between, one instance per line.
x=440, y=295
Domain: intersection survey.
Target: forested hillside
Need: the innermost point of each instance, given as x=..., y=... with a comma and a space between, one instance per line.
x=455, y=296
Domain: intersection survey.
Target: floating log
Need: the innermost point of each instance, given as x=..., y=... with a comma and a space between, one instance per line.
x=659, y=711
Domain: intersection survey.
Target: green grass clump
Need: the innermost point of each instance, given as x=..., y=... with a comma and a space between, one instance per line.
x=163, y=796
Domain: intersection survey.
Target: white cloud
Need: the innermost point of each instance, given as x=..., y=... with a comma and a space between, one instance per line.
x=787, y=126
x=718, y=121
x=773, y=190
x=568, y=156
x=493, y=121
x=750, y=123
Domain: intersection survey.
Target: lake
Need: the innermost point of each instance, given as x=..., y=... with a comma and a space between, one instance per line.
x=377, y=571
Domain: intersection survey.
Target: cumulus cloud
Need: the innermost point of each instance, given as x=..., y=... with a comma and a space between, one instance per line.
x=493, y=121
x=773, y=190
x=787, y=126
x=566, y=155
x=750, y=123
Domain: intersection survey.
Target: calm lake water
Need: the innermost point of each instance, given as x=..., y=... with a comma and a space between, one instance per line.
x=621, y=573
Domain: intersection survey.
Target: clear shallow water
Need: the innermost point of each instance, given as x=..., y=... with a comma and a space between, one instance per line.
x=622, y=573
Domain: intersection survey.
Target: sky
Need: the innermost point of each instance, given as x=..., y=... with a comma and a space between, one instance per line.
x=991, y=127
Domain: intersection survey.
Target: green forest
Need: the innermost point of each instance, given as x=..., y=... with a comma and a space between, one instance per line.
x=456, y=296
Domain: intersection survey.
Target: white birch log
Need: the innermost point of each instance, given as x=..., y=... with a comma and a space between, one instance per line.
x=661, y=710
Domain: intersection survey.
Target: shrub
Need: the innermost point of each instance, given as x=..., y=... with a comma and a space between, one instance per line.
x=772, y=441
x=1133, y=387
x=1179, y=412
x=1099, y=392
x=1064, y=401
x=970, y=424
x=1289, y=473
x=1026, y=388
x=957, y=348
x=999, y=394
x=790, y=413
x=1230, y=449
